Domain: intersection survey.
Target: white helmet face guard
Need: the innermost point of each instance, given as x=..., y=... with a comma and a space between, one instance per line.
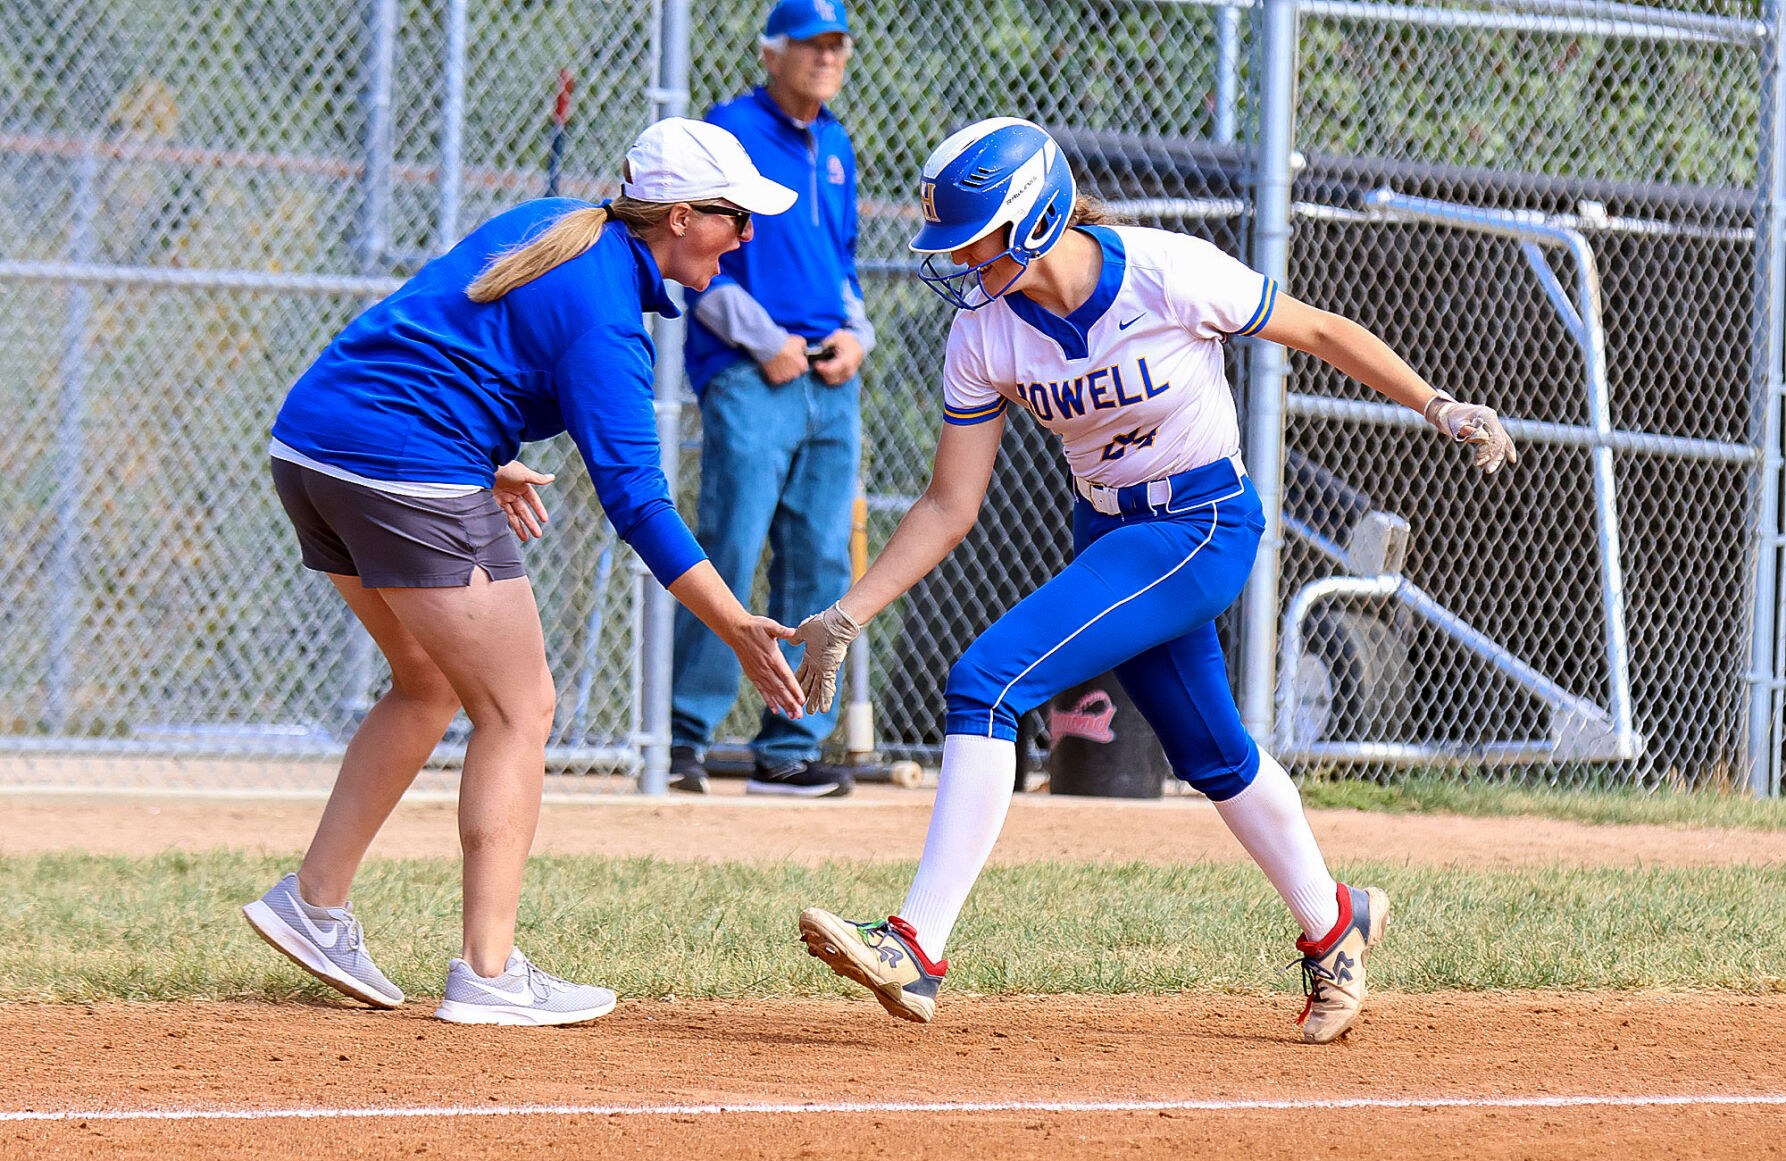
x=956, y=286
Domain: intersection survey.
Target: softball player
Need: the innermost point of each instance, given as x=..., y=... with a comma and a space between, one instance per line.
x=385, y=458
x=1111, y=337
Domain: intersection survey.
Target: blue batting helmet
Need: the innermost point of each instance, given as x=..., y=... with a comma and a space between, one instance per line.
x=1002, y=172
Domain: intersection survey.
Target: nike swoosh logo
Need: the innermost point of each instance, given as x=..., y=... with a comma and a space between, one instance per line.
x=316, y=935
x=523, y=996
x=1131, y=322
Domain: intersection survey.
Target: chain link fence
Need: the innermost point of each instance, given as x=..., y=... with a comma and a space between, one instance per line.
x=1571, y=239
x=1096, y=74
x=193, y=200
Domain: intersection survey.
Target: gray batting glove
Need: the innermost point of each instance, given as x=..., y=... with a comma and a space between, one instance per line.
x=827, y=638
x=1473, y=423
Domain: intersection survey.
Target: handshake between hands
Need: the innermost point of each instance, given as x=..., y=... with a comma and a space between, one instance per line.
x=812, y=688
x=825, y=635
x=827, y=638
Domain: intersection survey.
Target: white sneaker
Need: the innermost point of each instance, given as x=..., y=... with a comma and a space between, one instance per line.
x=324, y=941
x=522, y=994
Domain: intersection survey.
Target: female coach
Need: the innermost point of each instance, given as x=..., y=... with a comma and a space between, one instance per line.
x=384, y=457
x=1112, y=338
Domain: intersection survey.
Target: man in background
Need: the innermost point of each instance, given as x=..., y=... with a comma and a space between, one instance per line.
x=774, y=347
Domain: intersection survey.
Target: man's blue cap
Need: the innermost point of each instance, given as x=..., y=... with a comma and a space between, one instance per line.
x=805, y=19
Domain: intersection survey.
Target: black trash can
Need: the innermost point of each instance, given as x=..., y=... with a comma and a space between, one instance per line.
x=1101, y=745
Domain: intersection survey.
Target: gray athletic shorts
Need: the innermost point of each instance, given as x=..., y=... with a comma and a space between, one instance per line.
x=396, y=542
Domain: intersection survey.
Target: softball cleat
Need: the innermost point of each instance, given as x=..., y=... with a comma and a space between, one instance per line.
x=1333, y=967
x=883, y=957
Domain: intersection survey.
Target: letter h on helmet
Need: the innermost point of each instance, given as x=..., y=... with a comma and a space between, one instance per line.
x=995, y=174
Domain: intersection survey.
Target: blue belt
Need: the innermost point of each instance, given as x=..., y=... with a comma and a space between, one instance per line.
x=1176, y=493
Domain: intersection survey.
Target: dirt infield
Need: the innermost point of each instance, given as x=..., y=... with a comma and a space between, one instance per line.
x=645, y=1081
x=878, y=822
x=1478, y=1076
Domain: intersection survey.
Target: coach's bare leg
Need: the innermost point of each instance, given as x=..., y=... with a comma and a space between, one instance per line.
x=395, y=738
x=486, y=639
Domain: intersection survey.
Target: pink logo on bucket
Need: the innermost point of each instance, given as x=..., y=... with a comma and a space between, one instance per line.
x=1089, y=719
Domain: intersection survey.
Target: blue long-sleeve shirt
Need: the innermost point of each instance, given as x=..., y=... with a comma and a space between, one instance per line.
x=801, y=265
x=430, y=386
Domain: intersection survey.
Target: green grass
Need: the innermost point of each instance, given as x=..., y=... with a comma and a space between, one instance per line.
x=83, y=927
x=1444, y=793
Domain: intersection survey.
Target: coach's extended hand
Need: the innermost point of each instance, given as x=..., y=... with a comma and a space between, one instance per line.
x=1474, y=423
x=827, y=638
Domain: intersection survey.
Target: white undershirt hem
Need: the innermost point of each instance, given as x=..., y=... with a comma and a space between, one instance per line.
x=280, y=450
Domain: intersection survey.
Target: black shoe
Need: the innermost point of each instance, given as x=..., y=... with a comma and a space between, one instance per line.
x=801, y=780
x=687, y=774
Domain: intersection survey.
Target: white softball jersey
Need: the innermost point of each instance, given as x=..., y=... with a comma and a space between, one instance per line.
x=1132, y=381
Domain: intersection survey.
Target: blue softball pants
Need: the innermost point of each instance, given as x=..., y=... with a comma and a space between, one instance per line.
x=1140, y=597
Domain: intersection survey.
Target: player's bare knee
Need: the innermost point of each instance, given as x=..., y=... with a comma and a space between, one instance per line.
x=528, y=711
x=427, y=687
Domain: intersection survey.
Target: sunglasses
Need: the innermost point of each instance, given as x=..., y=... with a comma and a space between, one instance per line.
x=740, y=218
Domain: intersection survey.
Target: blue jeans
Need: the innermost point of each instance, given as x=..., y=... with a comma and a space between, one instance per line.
x=778, y=464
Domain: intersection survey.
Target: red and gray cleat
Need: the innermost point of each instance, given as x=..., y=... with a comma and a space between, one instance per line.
x=1333, y=967
x=882, y=957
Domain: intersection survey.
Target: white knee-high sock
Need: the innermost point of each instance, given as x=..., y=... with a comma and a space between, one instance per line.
x=973, y=795
x=1267, y=818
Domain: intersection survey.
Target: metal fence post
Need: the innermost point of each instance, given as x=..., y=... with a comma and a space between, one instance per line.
x=452, y=128
x=1227, y=71
x=374, y=248
x=375, y=202
x=669, y=98
x=65, y=564
x=1276, y=28
x=1763, y=757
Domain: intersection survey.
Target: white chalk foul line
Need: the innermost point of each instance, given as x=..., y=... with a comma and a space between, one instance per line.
x=1213, y=1106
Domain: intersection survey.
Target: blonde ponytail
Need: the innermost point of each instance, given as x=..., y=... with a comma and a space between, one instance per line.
x=1089, y=211
x=565, y=239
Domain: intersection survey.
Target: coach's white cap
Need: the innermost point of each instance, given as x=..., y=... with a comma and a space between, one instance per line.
x=678, y=160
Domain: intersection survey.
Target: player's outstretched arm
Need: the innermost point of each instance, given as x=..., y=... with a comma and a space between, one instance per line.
x=932, y=527
x=1349, y=347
